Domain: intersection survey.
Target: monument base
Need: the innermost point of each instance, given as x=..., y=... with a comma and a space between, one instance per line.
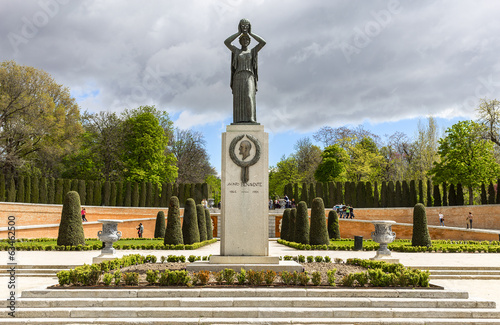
x=385, y=258
x=217, y=259
x=289, y=266
x=103, y=258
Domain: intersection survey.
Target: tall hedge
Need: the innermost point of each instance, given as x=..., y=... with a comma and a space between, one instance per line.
x=429, y=193
x=484, y=197
x=303, y=193
x=135, y=195
x=420, y=235
x=376, y=196
x=318, y=234
x=82, y=191
x=160, y=225
x=291, y=228
x=142, y=194
x=383, y=195
x=460, y=194
x=498, y=191
x=43, y=191
x=333, y=225
x=452, y=197
x=106, y=193
x=437, y=196
x=27, y=190
x=190, y=231
x=208, y=222
x=202, y=221
x=97, y=193
x=2, y=187
x=119, y=194
x=59, y=190
x=391, y=194
x=35, y=189
x=302, y=224
x=420, y=192
x=173, y=231
x=70, y=227
x=491, y=194
x=447, y=200
x=285, y=225
x=20, y=189
x=113, y=195
x=398, y=202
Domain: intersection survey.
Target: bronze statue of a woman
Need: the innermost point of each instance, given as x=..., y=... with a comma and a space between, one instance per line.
x=244, y=73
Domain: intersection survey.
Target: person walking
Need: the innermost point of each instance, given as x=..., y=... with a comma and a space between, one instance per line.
x=469, y=220
x=84, y=219
x=140, y=230
x=441, y=218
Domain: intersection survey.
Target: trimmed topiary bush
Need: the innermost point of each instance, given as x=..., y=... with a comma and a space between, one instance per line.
x=285, y=225
x=202, y=221
x=291, y=228
x=208, y=222
x=302, y=224
x=71, y=228
x=190, y=231
x=173, y=231
x=333, y=225
x=318, y=234
x=420, y=235
x=160, y=225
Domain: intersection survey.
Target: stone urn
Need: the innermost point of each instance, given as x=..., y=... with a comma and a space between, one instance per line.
x=108, y=235
x=383, y=235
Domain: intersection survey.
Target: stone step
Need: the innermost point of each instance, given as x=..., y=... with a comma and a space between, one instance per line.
x=255, y=312
x=201, y=292
x=464, y=277
x=299, y=302
x=250, y=321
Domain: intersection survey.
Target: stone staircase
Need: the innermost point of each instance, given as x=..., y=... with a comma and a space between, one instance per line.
x=42, y=271
x=462, y=272
x=246, y=305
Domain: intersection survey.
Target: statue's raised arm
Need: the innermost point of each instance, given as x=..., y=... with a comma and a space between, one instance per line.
x=244, y=73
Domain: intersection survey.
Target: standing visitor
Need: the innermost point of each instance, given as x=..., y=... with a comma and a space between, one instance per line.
x=140, y=230
x=84, y=219
x=469, y=220
x=441, y=218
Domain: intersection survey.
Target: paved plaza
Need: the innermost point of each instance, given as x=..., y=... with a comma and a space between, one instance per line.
x=481, y=289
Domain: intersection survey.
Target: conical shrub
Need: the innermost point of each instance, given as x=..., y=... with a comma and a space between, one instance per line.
x=291, y=228
x=208, y=222
x=285, y=225
x=333, y=225
x=420, y=235
x=173, y=231
x=202, y=221
x=71, y=228
x=318, y=234
x=190, y=231
x=160, y=225
x=302, y=224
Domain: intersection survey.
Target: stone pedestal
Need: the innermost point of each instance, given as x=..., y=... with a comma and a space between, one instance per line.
x=384, y=235
x=244, y=201
x=244, y=235
x=108, y=235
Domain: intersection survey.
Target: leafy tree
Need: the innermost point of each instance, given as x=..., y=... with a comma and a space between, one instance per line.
x=145, y=143
x=160, y=225
x=332, y=167
x=318, y=234
x=489, y=116
x=173, y=231
x=302, y=224
x=366, y=161
x=308, y=157
x=420, y=236
x=71, y=228
x=190, y=231
x=202, y=222
x=39, y=121
x=193, y=161
x=466, y=157
x=286, y=171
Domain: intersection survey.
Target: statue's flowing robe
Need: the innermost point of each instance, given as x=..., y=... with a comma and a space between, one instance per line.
x=244, y=85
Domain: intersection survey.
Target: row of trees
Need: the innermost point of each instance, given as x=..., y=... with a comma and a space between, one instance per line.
x=389, y=194
x=43, y=133
x=35, y=189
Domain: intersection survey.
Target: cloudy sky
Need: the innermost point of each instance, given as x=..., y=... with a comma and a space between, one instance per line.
x=383, y=64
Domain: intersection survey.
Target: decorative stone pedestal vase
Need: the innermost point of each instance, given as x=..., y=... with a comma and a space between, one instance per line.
x=384, y=235
x=108, y=235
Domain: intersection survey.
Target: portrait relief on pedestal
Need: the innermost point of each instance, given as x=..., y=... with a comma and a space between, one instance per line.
x=247, y=145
